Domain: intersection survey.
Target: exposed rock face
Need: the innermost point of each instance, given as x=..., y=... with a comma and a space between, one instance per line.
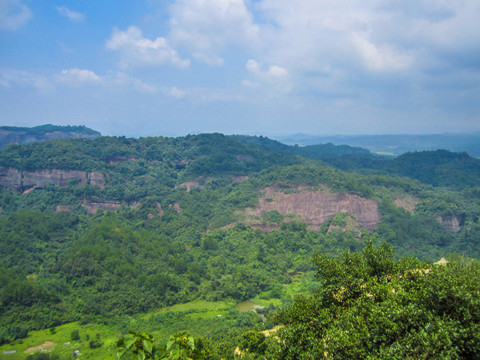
x=118, y=159
x=317, y=207
x=175, y=207
x=349, y=224
x=10, y=178
x=159, y=213
x=41, y=178
x=92, y=206
x=450, y=223
x=246, y=158
x=160, y=210
x=14, y=179
x=66, y=208
x=408, y=203
x=188, y=185
x=96, y=179
x=238, y=178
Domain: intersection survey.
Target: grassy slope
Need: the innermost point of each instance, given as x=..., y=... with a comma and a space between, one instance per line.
x=194, y=313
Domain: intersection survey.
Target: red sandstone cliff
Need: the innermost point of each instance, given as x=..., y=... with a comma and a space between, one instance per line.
x=317, y=207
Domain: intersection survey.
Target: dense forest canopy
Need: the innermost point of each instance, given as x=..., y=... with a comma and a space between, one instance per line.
x=371, y=306
x=101, y=230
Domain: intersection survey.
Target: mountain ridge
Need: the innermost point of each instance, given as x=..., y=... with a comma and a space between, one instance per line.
x=23, y=135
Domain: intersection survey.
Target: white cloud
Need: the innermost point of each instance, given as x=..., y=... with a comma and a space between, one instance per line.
x=11, y=79
x=115, y=81
x=123, y=81
x=207, y=27
x=73, y=79
x=136, y=50
x=250, y=84
x=273, y=80
x=13, y=14
x=209, y=59
x=77, y=77
x=274, y=72
x=253, y=66
x=308, y=35
x=70, y=14
x=201, y=95
x=381, y=58
x=459, y=31
x=176, y=93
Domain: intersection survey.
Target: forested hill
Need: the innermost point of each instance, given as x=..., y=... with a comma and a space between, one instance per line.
x=213, y=178
x=23, y=135
x=102, y=229
x=438, y=168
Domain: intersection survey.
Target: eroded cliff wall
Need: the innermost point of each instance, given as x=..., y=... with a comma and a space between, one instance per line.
x=16, y=180
x=316, y=207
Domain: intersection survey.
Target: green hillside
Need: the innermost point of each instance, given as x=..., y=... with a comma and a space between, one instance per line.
x=23, y=135
x=144, y=224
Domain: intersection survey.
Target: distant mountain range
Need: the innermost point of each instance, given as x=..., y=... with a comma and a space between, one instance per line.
x=23, y=135
x=395, y=144
x=388, y=145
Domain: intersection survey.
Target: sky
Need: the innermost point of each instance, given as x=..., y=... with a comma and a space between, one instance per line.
x=264, y=67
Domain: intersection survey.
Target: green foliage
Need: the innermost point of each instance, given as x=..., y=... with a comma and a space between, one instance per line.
x=372, y=306
x=43, y=356
x=165, y=245
x=180, y=346
x=9, y=333
x=438, y=168
x=139, y=343
x=253, y=342
x=75, y=335
x=272, y=217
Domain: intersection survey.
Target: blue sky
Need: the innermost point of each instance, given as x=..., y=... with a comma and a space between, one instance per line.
x=270, y=67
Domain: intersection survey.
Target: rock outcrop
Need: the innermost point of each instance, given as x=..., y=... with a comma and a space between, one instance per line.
x=317, y=207
x=450, y=223
x=16, y=180
x=10, y=178
x=407, y=202
x=93, y=205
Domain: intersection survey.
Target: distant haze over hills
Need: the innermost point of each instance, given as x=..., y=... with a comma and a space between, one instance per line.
x=395, y=144
x=23, y=135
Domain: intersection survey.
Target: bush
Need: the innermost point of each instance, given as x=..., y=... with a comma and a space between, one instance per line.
x=371, y=305
x=75, y=335
x=11, y=333
x=42, y=356
x=95, y=344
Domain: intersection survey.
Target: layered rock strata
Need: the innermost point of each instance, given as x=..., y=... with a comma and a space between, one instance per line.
x=317, y=207
x=17, y=180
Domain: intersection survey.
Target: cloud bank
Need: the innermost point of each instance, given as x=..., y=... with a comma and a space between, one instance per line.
x=136, y=50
